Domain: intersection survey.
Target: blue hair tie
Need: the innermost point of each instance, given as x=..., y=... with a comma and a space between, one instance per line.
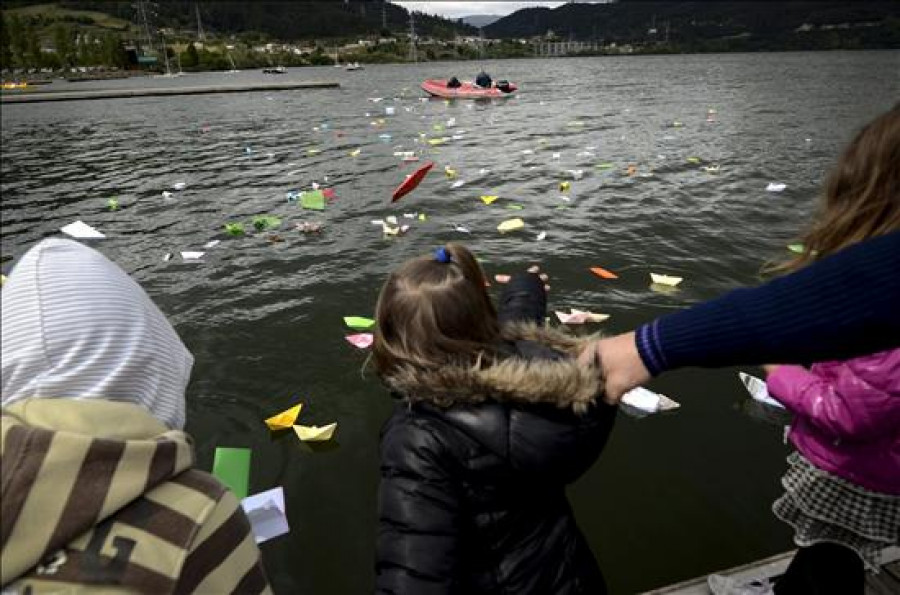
x=441, y=255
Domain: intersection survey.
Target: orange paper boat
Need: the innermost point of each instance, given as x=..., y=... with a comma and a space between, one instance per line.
x=603, y=273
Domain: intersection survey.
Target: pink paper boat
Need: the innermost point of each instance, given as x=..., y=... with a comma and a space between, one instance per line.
x=361, y=340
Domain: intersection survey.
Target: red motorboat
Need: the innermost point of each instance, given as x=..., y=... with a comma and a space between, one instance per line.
x=467, y=90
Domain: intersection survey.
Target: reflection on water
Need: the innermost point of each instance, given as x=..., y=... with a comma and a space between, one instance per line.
x=674, y=496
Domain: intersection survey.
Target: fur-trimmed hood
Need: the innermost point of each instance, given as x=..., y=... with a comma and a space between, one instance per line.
x=541, y=369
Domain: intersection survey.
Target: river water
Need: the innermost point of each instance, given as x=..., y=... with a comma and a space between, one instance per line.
x=673, y=496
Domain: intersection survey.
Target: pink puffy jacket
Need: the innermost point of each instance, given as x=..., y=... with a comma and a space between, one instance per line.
x=847, y=417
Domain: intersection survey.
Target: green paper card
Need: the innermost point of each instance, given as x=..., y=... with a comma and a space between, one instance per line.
x=232, y=467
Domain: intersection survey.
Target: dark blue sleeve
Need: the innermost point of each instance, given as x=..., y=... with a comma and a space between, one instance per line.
x=842, y=306
x=524, y=299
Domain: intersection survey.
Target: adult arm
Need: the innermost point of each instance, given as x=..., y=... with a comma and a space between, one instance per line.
x=842, y=306
x=844, y=405
x=418, y=512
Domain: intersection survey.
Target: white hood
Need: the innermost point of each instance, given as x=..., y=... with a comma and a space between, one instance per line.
x=76, y=326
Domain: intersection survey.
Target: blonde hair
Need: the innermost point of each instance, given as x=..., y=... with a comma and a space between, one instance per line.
x=862, y=194
x=432, y=313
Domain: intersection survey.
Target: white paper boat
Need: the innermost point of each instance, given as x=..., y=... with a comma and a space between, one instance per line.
x=666, y=279
x=212, y=243
x=462, y=229
x=580, y=316
x=541, y=236
x=81, y=230
x=776, y=187
x=757, y=389
x=648, y=401
x=179, y=185
x=266, y=512
x=315, y=433
x=458, y=183
x=192, y=255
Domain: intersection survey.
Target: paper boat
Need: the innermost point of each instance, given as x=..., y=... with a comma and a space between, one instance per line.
x=666, y=279
x=605, y=274
x=775, y=187
x=81, y=230
x=757, y=389
x=361, y=340
x=285, y=419
x=488, y=198
x=359, y=323
x=192, y=255
x=315, y=433
x=541, y=236
x=511, y=225
x=648, y=401
x=580, y=316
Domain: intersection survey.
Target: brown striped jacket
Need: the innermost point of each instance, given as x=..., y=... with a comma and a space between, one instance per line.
x=98, y=495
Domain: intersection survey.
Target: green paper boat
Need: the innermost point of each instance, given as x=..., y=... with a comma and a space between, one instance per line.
x=313, y=200
x=359, y=323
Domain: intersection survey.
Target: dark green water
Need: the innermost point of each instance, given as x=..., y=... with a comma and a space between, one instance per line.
x=673, y=496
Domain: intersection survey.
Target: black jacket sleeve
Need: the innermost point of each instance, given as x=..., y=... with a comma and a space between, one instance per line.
x=418, y=509
x=524, y=299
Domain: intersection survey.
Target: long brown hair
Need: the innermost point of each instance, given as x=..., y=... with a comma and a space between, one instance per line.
x=862, y=194
x=432, y=313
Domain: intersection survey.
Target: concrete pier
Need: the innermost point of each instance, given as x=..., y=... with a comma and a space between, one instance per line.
x=40, y=96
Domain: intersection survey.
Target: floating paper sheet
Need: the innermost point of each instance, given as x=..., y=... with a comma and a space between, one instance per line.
x=81, y=230
x=232, y=467
x=285, y=419
x=580, y=316
x=541, y=236
x=511, y=225
x=361, y=340
x=359, y=323
x=488, y=198
x=757, y=389
x=775, y=187
x=462, y=229
x=666, y=279
x=212, y=243
x=315, y=433
x=458, y=183
x=192, y=255
x=648, y=401
x=179, y=186
x=603, y=273
x=266, y=512
x=314, y=200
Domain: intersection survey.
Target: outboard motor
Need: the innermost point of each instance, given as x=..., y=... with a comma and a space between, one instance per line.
x=504, y=86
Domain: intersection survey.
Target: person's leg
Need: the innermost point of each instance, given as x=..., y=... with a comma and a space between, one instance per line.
x=823, y=569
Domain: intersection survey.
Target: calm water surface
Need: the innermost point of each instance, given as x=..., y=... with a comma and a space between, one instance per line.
x=673, y=496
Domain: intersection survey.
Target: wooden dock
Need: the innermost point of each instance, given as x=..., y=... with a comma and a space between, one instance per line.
x=886, y=582
x=41, y=96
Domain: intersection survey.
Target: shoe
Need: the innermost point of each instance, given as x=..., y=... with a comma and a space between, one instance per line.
x=723, y=585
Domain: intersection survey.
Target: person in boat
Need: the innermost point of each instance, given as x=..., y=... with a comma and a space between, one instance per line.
x=454, y=83
x=483, y=80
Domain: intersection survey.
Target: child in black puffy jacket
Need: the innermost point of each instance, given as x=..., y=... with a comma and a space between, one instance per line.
x=495, y=419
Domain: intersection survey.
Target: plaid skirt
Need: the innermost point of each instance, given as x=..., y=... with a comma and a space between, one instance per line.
x=822, y=507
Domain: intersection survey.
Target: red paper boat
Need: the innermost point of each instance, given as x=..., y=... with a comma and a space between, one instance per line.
x=411, y=182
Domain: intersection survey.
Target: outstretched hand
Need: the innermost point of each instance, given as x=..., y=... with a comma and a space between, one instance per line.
x=534, y=269
x=619, y=363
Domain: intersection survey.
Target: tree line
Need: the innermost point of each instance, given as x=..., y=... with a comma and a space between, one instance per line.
x=21, y=46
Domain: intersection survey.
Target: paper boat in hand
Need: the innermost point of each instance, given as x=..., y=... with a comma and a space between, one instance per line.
x=580, y=317
x=315, y=433
x=285, y=419
x=757, y=389
x=648, y=401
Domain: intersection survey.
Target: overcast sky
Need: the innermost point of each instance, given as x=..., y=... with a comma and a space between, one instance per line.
x=455, y=10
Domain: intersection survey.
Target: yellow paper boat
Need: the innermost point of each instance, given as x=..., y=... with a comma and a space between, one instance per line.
x=488, y=198
x=511, y=225
x=450, y=173
x=563, y=186
x=285, y=419
x=666, y=279
x=315, y=433
x=355, y=153
x=437, y=141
